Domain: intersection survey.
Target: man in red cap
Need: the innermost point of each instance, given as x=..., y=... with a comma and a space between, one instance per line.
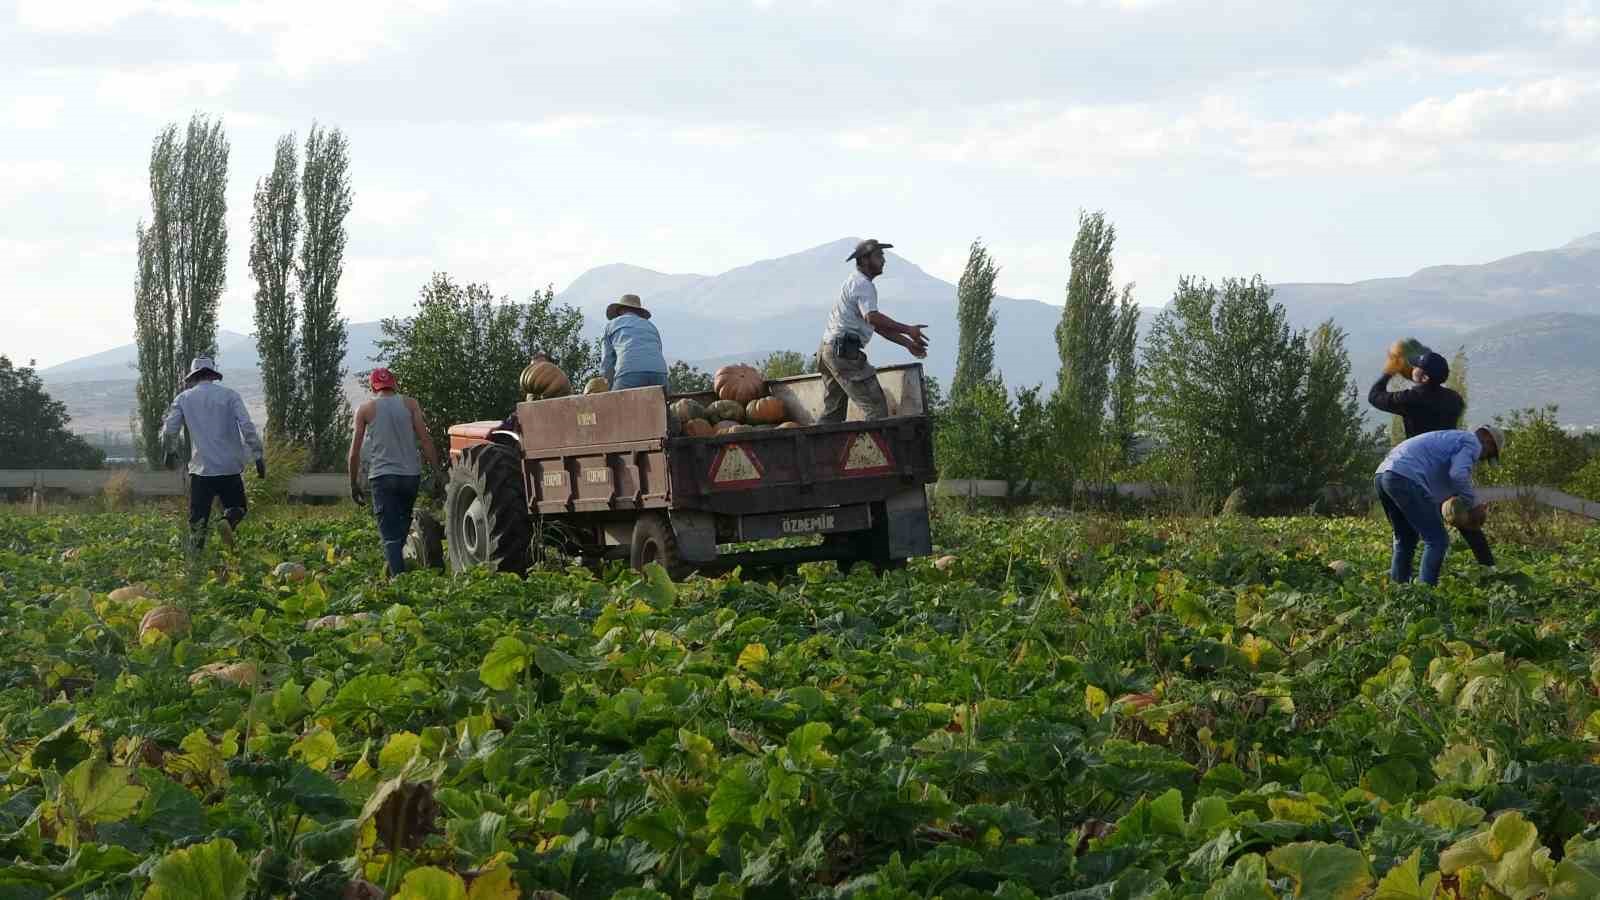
x=389, y=427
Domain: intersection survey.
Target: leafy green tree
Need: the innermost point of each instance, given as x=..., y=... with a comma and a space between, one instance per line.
x=274, y=234
x=324, y=426
x=975, y=318
x=784, y=364
x=182, y=258
x=1538, y=451
x=976, y=434
x=462, y=351
x=683, y=378
x=1225, y=385
x=1331, y=432
x=33, y=426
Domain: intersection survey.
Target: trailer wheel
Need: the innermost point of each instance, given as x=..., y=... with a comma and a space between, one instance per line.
x=486, y=511
x=424, y=547
x=654, y=542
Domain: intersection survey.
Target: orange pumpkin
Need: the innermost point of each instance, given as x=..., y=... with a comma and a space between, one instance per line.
x=764, y=411
x=739, y=383
x=597, y=385
x=698, y=428
x=543, y=380
x=168, y=620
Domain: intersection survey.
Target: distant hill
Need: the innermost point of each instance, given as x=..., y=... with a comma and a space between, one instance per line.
x=1530, y=323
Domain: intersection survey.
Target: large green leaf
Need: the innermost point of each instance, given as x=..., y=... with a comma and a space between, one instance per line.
x=211, y=871
x=504, y=662
x=1246, y=881
x=1323, y=871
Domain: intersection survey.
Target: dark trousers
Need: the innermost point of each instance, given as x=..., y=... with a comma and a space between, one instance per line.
x=393, y=499
x=1479, y=542
x=1412, y=515
x=206, y=489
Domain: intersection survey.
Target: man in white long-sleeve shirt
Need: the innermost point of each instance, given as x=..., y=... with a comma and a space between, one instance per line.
x=219, y=431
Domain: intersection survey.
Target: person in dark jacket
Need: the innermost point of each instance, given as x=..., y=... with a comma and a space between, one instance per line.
x=1429, y=406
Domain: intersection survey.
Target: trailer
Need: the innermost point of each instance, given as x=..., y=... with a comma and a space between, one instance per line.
x=604, y=476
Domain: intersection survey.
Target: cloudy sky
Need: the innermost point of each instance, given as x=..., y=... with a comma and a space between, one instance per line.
x=520, y=143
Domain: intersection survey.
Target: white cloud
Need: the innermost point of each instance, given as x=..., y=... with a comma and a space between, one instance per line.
x=24, y=176
x=76, y=15
x=1578, y=23
x=388, y=207
x=157, y=90
x=34, y=112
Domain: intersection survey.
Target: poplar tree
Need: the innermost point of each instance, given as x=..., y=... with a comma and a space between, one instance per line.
x=1084, y=337
x=975, y=318
x=1125, y=379
x=325, y=185
x=274, y=231
x=182, y=265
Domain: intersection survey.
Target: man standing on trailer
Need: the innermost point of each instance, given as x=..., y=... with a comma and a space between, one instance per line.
x=219, y=430
x=390, y=426
x=842, y=359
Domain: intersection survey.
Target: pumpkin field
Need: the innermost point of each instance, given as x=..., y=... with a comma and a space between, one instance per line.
x=1051, y=707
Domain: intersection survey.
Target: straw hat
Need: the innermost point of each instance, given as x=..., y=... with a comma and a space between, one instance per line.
x=628, y=301
x=202, y=364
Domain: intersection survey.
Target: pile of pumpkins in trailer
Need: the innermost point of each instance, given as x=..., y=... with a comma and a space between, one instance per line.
x=742, y=403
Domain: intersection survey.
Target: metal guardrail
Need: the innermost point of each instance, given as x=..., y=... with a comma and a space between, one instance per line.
x=82, y=482
x=983, y=488
x=170, y=484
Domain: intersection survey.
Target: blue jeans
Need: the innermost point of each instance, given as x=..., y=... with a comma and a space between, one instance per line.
x=393, y=499
x=627, y=380
x=1412, y=515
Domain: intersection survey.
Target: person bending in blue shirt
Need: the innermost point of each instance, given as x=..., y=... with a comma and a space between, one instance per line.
x=631, y=348
x=1415, y=480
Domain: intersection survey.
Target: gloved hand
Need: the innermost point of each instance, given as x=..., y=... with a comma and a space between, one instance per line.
x=261, y=468
x=357, y=494
x=171, y=461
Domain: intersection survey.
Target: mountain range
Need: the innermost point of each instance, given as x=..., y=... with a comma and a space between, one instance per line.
x=1529, y=323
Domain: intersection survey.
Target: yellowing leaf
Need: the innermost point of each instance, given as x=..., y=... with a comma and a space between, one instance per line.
x=430, y=883
x=753, y=656
x=1508, y=854
x=398, y=751
x=209, y=871
x=317, y=748
x=1095, y=700
x=505, y=661
x=98, y=793
x=494, y=884
x=1404, y=882
x=1290, y=809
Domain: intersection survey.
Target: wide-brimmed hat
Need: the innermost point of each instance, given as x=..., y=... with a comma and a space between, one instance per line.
x=202, y=364
x=866, y=248
x=628, y=301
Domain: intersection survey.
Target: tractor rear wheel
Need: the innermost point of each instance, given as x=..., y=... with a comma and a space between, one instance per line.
x=486, y=511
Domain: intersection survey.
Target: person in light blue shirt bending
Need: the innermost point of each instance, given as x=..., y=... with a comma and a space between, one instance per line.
x=631, y=348
x=1415, y=480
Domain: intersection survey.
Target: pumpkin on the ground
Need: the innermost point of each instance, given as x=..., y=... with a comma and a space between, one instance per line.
x=290, y=571
x=238, y=673
x=544, y=380
x=597, y=385
x=698, y=428
x=764, y=411
x=128, y=593
x=739, y=383
x=168, y=620
x=725, y=411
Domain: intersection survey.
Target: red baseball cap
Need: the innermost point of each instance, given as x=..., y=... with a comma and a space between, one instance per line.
x=382, y=380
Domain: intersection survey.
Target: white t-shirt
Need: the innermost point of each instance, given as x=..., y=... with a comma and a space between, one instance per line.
x=857, y=299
